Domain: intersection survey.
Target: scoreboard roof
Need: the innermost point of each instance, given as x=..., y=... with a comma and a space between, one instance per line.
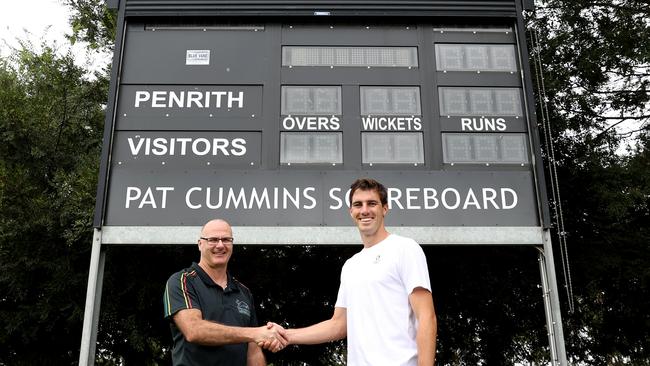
x=344, y=8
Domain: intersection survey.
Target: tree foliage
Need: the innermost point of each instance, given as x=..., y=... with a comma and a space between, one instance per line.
x=92, y=22
x=608, y=220
x=50, y=135
x=594, y=57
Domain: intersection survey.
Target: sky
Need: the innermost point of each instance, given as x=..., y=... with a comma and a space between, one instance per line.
x=38, y=21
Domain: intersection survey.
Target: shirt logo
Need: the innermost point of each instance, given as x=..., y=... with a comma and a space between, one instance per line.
x=377, y=259
x=243, y=308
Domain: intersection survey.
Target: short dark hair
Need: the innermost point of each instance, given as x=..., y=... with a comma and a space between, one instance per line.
x=368, y=184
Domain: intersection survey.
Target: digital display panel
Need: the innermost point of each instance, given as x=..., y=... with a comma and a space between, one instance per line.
x=311, y=100
x=489, y=148
x=507, y=101
x=513, y=148
x=469, y=101
x=457, y=148
x=311, y=148
x=350, y=56
x=392, y=147
x=480, y=101
x=486, y=148
x=475, y=57
x=390, y=100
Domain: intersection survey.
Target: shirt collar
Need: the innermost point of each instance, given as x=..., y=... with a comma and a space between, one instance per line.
x=230, y=286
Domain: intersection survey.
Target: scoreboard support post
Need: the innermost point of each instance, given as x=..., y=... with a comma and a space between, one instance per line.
x=93, y=301
x=552, y=303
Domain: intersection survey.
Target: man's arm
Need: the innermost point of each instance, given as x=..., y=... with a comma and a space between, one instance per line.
x=325, y=331
x=199, y=331
x=255, y=355
x=422, y=304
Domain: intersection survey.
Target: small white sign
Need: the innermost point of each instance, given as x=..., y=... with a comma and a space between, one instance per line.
x=197, y=57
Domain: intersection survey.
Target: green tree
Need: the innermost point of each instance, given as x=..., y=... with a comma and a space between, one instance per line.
x=594, y=57
x=50, y=135
x=92, y=22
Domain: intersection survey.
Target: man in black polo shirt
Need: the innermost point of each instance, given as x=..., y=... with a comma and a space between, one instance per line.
x=213, y=315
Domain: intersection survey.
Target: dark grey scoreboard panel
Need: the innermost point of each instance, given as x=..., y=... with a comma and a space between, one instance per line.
x=185, y=150
x=159, y=55
x=179, y=197
x=267, y=124
x=190, y=107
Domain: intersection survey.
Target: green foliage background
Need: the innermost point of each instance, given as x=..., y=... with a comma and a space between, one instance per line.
x=596, y=65
x=50, y=136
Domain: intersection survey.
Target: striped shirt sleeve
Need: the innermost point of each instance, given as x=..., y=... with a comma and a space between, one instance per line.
x=179, y=294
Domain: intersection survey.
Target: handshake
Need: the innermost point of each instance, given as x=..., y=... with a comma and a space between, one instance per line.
x=272, y=337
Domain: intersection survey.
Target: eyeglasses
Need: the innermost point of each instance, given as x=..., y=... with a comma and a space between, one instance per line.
x=215, y=240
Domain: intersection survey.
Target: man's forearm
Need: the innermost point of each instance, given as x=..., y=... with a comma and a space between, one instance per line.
x=213, y=334
x=325, y=331
x=426, y=341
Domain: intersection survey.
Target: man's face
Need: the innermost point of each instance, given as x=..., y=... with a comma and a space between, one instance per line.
x=367, y=211
x=216, y=254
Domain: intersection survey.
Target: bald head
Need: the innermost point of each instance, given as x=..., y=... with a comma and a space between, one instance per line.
x=216, y=224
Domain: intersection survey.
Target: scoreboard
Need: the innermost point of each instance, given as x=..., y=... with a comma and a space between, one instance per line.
x=265, y=121
x=263, y=112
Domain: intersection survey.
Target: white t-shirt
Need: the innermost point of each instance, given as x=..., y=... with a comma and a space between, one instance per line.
x=375, y=288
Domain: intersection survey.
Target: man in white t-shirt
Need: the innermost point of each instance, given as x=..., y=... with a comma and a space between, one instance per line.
x=384, y=305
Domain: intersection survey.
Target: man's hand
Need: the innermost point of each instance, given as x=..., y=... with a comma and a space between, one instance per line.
x=272, y=337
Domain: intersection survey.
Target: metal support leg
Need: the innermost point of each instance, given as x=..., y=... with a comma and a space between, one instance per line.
x=552, y=303
x=547, y=308
x=93, y=301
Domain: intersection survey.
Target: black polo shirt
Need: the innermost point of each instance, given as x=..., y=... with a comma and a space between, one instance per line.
x=192, y=288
